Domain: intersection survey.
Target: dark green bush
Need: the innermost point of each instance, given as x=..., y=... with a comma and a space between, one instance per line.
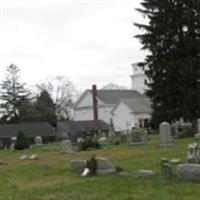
x=92, y=165
x=22, y=141
x=89, y=143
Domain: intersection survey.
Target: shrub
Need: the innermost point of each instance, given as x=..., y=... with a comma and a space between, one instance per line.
x=89, y=143
x=92, y=165
x=22, y=141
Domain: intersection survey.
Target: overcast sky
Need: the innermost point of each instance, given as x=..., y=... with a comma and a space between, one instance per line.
x=89, y=41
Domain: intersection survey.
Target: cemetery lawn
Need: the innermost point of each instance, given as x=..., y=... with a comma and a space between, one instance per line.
x=50, y=177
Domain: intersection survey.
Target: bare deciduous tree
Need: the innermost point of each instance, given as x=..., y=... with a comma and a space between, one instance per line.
x=62, y=91
x=113, y=86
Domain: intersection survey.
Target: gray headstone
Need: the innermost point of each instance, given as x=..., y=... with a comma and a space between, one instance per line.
x=174, y=129
x=166, y=171
x=197, y=136
x=145, y=135
x=137, y=137
x=104, y=164
x=189, y=172
x=123, y=138
x=198, y=125
x=77, y=165
x=66, y=147
x=165, y=135
x=184, y=129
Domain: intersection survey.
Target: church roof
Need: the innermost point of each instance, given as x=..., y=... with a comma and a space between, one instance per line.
x=137, y=105
x=113, y=96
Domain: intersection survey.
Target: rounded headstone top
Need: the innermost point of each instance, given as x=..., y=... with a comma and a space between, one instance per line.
x=164, y=123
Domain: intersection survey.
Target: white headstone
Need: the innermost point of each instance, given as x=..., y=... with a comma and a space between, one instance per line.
x=165, y=135
x=38, y=141
x=80, y=139
x=33, y=157
x=66, y=146
x=193, y=153
x=12, y=147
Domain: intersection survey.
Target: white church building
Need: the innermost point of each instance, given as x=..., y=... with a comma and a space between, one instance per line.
x=125, y=108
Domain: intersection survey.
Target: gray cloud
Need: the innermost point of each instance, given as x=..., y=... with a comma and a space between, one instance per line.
x=90, y=41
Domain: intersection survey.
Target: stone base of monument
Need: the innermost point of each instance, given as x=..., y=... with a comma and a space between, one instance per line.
x=166, y=145
x=197, y=136
x=189, y=172
x=136, y=143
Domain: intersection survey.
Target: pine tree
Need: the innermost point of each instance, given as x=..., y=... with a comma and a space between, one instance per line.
x=13, y=95
x=46, y=108
x=172, y=38
x=22, y=142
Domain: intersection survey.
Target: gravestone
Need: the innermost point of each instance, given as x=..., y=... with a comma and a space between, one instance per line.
x=184, y=129
x=104, y=166
x=189, y=172
x=80, y=139
x=165, y=168
x=103, y=134
x=137, y=137
x=197, y=136
x=12, y=146
x=23, y=157
x=145, y=135
x=193, y=153
x=198, y=125
x=166, y=171
x=123, y=138
x=175, y=161
x=66, y=147
x=165, y=135
x=78, y=165
x=146, y=173
x=174, y=129
x=33, y=157
x=38, y=141
x=102, y=139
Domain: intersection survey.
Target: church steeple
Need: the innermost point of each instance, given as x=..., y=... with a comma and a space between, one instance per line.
x=138, y=78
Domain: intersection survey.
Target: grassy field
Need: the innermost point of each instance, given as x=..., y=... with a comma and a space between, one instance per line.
x=50, y=177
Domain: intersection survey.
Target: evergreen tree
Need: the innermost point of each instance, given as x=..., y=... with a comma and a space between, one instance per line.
x=13, y=95
x=22, y=142
x=46, y=108
x=172, y=38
